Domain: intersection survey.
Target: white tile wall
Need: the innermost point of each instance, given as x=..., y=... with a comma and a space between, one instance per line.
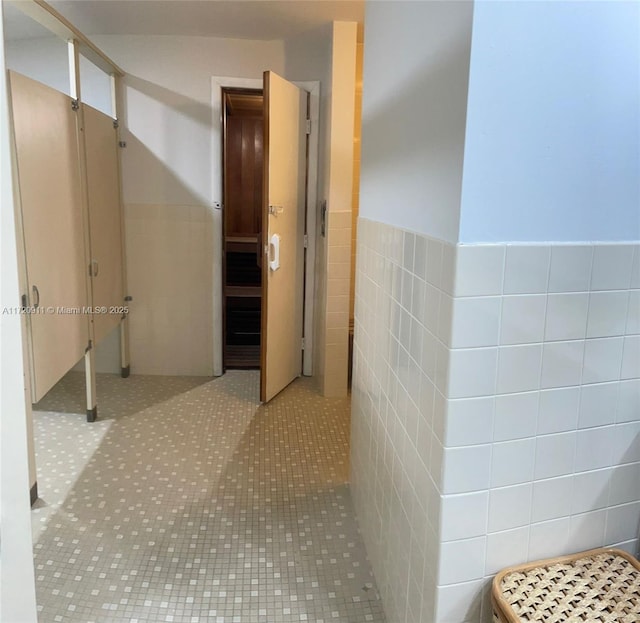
x=523, y=318
x=464, y=516
x=403, y=324
x=509, y=507
x=516, y=416
x=479, y=270
x=469, y=422
x=551, y=498
x=527, y=269
x=472, y=372
x=566, y=316
x=462, y=560
x=496, y=399
x=603, y=360
x=607, y=313
x=612, y=267
x=633, y=313
x=586, y=531
x=597, y=404
x=558, y=410
x=503, y=547
x=519, y=368
x=591, y=490
x=512, y=462
x=562, y=364
x=570, y=268
x=459, y=602
x=547, y=537
x=474, y=321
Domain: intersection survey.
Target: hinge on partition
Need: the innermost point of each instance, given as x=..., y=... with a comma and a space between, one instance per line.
x=89, y=346
x=116, y=125
x=303, y=344
x=122, y=144
x=308, y=126
x=306, y=241
x=75, y=105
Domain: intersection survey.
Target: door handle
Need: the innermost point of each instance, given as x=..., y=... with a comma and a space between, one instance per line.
x=95, y=266
x=36, y=296
x=274, y=252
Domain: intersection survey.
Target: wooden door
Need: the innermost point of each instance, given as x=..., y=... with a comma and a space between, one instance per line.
x=285, y=112
x=47, y=153
x=105, y=225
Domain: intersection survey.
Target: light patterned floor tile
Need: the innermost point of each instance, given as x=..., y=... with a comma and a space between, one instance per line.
x=189, y=502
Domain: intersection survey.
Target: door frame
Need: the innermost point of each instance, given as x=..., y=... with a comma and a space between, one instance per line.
x=217, y=121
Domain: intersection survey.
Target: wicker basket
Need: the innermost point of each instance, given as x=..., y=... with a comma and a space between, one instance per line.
x=601, y=585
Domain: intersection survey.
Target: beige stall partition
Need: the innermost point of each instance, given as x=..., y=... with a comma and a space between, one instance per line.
x=104, y=221
x=46, y=144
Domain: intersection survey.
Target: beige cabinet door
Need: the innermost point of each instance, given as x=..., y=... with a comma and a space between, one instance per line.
x=46, y=141
x=105, y=220
x=285, y=112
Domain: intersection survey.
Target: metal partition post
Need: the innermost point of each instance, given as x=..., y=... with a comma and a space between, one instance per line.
x=117, y=108
x=89, y=357
x=90, y=383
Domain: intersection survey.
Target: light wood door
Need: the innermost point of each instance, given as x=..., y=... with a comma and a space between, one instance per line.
x=105, y=224
x=285, y=110
x=46, y=142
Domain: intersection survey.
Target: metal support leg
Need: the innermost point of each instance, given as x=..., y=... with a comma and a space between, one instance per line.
x=90, y=380
x=124, y=347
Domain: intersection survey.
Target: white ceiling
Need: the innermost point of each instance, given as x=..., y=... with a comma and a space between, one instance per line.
x=242, y=19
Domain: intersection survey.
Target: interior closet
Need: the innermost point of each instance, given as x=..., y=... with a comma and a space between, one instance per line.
x=243, y=151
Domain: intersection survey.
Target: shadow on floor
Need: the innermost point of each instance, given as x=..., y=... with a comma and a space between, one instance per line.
x=206, y=506
x=116, y=397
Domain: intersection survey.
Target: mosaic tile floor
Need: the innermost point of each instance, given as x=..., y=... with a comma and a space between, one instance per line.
x=187, y=501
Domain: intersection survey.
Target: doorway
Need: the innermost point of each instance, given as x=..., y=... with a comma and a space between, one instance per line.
x=243, y=149
x=218, y=84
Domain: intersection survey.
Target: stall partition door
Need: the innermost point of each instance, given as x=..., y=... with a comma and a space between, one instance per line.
x=46, y=142
x=283, y=219
x=105, y=224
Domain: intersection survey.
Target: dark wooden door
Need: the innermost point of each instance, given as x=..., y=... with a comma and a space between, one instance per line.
x=243, y=170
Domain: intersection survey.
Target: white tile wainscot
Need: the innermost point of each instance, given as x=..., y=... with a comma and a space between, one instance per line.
x=496, y=411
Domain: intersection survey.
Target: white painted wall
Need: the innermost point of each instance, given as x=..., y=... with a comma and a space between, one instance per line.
x=44, y=59
x=416, y=66
x=168, y=109
x=553, y=129
x=95, y=86
x=17, y=596
x=308, y=57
